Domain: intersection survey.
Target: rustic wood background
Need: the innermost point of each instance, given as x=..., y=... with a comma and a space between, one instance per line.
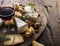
x=51, y=34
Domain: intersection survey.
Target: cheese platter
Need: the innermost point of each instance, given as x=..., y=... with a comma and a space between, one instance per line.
x=26, y=25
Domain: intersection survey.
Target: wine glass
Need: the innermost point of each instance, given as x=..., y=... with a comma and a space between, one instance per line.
x=6, y=14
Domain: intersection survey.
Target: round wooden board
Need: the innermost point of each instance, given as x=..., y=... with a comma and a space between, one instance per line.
x=42, y=19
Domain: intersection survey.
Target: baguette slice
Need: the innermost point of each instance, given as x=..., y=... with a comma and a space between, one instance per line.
x=14, y=39
x=34, y=43
x=9, y=42
x=18, y=39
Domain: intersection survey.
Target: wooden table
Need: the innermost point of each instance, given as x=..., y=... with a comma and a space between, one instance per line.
x=51, y=36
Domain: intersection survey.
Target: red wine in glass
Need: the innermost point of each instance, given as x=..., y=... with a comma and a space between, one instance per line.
x=6, y=13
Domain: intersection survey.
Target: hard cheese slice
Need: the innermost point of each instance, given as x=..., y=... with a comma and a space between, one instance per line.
x=34, y=43
x=21, y=25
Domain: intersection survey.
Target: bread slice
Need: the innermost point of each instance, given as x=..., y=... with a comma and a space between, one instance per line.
x=14, y=39
x=34, y=43
x=18, y=39
x=9, y=42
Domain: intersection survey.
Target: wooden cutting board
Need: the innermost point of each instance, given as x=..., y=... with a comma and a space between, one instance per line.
x=42, y=19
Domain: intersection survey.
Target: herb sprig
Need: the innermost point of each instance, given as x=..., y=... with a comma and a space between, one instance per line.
x=4, y=38
x=31, y=4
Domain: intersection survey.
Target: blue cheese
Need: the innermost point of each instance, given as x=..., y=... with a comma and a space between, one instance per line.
x=21, y=25
x=34, y=15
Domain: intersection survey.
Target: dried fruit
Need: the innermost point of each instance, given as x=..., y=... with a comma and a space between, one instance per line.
x=30, y=31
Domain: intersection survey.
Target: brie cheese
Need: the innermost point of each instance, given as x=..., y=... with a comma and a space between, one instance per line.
x=21, y=25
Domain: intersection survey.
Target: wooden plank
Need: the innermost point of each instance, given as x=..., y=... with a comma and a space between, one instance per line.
x=53, y=21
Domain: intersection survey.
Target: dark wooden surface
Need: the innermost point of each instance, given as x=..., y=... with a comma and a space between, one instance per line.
x=51, y=35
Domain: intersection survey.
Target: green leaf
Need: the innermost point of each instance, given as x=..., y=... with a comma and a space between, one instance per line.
x=4, y=38
x=31, y=4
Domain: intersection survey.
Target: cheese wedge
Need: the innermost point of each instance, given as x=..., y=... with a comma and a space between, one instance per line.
x=21, y=25
x=34, y=43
